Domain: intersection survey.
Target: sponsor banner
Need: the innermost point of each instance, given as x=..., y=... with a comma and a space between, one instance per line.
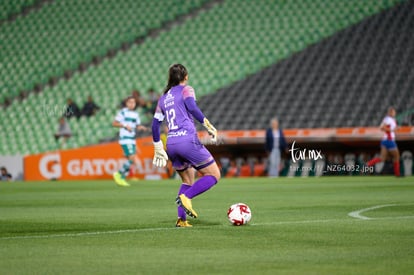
x=311, y=134
x=92, y=162
x=101, y=161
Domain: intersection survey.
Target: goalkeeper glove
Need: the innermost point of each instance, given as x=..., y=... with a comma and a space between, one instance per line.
x=210, y=129
x=160, y=156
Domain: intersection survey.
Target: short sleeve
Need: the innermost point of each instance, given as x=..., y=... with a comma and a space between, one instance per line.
x=188, y=91
x=158, y=113
x=119, y=117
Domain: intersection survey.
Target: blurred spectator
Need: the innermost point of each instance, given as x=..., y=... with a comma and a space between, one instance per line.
x=225, y=165
x=275, y=144
x=7, y=102
x=89, y=108
x=239, y=164
x=138, y=98
x=252, y=162
x=63, y=130
x=5, y=175
x=72, y=109
x=140, y=102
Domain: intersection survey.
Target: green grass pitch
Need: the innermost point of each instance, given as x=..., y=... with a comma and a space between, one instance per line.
x=299, y=226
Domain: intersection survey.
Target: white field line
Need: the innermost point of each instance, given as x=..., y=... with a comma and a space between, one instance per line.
x=92, y=233
x=123, y=231
x=357, y=214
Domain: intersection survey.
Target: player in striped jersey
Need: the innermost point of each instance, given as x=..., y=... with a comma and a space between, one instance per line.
x=185, y=150
x=128, y=121
x=388, y=144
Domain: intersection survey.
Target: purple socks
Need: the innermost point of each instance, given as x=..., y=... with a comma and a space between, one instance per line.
x=181, y=213
x=200, y=186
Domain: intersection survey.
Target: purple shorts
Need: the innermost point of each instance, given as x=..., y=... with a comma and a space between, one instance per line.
x=189, y=153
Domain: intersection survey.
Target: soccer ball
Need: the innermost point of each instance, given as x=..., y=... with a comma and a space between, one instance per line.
x=239, y=214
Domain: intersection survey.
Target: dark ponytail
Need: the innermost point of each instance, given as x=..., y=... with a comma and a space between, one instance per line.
x=176, y=74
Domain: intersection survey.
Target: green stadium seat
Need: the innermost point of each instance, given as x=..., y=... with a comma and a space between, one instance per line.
x=63, y=34
x=217, y=55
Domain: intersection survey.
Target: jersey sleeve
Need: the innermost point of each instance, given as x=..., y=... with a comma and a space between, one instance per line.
x=158, y=113
x=188, y=91
x=156, y=125
x=119, y=117
x=190, y=103
x=156, y=122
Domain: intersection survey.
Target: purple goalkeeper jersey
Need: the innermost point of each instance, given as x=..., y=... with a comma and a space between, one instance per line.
x=172, y=106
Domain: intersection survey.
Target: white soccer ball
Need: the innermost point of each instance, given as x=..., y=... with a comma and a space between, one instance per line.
x=239, y=214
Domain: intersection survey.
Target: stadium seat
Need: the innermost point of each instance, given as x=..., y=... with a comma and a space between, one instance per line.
x=64, y=34
x=220, y=46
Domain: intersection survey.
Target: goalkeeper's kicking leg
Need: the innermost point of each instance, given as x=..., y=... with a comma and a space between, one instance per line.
x=186, y=156
x=187, y=179
x=210, y=176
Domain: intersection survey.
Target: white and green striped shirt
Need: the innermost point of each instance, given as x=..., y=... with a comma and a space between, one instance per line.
x=130, y=118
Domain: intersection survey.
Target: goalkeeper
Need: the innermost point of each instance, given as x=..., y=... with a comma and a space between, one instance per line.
x=184, y=149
